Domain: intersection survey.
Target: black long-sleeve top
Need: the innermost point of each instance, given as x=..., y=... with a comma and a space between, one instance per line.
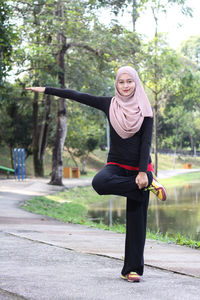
x=133, y=151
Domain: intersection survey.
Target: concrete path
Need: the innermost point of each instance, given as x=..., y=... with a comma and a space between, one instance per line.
x=41, y=258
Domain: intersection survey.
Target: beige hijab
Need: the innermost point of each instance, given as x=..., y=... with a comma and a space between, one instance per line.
x=127, y=112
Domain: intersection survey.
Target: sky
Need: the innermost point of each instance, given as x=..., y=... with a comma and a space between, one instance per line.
x=177, y=26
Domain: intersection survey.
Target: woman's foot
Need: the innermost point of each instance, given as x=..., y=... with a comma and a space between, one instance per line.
x=131, y=277
x=157, y=188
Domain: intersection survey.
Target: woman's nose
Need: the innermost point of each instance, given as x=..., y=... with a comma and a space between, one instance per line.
x=126, y=84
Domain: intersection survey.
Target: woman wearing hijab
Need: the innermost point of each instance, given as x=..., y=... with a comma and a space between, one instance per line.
x=128, y=171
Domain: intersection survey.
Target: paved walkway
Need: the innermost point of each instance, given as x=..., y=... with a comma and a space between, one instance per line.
x=41, y=258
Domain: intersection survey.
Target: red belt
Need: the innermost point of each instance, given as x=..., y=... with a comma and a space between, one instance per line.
x=149, y=168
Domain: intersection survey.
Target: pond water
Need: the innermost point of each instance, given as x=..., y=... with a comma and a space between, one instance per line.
x=179, y=213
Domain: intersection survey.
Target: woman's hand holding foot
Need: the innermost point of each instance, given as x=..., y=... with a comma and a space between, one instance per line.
x=141, y=180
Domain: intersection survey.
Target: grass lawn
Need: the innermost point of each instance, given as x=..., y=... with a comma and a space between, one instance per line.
x=71, y=206
x=183, y=179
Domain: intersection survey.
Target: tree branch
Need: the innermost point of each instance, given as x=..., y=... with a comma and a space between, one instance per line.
x=81, y=45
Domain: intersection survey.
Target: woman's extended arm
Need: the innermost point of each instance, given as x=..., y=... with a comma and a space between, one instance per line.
x=37, y=89
x=98, y=102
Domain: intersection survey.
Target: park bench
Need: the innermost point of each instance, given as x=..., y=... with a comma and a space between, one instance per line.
x=8, y=170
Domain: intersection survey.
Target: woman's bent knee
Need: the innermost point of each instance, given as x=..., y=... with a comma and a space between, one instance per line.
x=98, y=184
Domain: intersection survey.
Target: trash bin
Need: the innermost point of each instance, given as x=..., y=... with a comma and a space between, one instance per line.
x=187, y=166
x=67, y=172
x=75, y=172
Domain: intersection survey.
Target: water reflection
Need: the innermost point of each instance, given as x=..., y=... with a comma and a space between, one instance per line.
x=180, y=213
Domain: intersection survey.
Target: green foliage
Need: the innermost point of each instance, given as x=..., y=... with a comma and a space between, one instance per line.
x=181, y=113
x=84, y=131
x=93, y=54
x=190, y=48
x=15, y=118
x=161, y=6
x=160, y=66
x=7, y=39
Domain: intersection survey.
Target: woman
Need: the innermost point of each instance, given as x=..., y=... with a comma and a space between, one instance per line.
x=128, y=171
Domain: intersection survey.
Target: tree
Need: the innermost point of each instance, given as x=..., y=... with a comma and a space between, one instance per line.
x=158, y=7
x=182, y=110
x=59, y=32
x=8, y=38
x=15, y=120
x=34, y=57
x=84, y=133
x=191, y=48
x=159, y=75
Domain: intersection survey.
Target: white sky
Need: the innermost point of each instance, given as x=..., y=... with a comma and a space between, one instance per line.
x=177, y=26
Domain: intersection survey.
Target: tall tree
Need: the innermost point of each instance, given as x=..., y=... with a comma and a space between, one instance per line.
x=158, y=7
x=187, y=102
x=61, y=130
x=7, y=39
x=15, y=118
x=191, y=48
x=159, y=75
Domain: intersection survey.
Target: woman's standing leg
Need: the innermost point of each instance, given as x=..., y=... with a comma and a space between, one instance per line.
x=136, y=221
x=118, y=181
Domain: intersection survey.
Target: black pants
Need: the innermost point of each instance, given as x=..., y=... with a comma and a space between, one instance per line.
x=114, y=180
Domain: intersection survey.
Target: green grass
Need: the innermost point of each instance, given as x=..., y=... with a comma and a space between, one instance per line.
x=183, y=179
x=166, y=162
x=176, y=239
x=68, y=206
x=71, y=206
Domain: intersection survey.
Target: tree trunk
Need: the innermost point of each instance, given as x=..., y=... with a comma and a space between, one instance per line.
x=38, y=170
x=134, y=14
x=192, y=143
x=44, y=132
x=156, y=95
x=156, y=135
x=83, y=164
x=40, y=136
x=72, y=156
x=11, y=157
x=175, y=149
x=61, y=130
x=57, y=160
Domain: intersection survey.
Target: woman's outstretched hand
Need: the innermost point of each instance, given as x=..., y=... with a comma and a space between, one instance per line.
x=141, y=180
x=38, y=89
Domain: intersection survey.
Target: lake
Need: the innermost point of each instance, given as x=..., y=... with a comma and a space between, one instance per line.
x=179, y=213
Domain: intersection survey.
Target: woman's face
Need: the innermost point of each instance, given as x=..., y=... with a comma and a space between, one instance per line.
x=125, y=85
